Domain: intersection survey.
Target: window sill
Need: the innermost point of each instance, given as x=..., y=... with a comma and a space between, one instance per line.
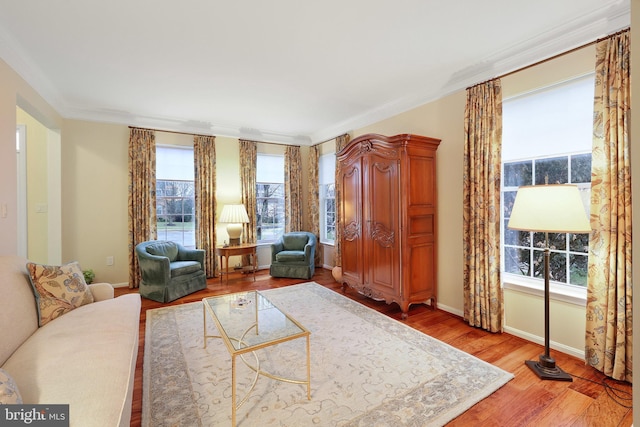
x=568, y=294
x=327, y=243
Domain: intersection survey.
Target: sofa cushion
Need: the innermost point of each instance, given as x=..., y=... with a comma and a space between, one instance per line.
x=166, y=249
x=295, y=242
x=290, y=256
x=180, y=268
x=9, y=394
x=58, y=289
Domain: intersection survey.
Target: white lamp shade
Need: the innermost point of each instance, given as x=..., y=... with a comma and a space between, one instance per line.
x=234, y=214
x=550, y=208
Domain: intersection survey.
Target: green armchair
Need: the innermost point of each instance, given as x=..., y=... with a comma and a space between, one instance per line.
x=293, y=255
x=169, y=270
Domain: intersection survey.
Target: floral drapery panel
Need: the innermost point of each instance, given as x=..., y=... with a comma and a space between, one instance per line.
x=292, y=189
x=341, y=142
x=204, y=157
x=314, y=198
x=483, y=297
x=608, y=345
x=142, y=195
x=248, y=162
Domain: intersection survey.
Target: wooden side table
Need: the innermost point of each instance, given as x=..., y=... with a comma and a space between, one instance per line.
x=228, y=251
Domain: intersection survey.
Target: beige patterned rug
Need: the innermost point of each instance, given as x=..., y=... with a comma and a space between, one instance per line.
x=366, y=370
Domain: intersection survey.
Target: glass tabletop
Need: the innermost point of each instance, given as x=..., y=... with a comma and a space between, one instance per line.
x=248, y=320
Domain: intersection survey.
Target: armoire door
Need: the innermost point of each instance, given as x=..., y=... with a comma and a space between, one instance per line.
x=382, y=219
x=351, y=221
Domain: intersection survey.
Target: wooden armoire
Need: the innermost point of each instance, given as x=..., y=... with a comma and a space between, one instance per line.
x=387, y=217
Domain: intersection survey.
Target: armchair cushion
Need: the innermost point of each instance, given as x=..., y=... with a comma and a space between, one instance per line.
x=290, y=256
x=165, y=249
x=178, y=268
x=295, y=241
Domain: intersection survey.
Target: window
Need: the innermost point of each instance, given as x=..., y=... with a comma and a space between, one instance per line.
x=269, y=197
x=327, y=166
x=175, y=204
x=524, y=251
x=547, y=138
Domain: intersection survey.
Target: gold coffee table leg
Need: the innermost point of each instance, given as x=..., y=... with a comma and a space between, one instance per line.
x=308, y=369
x=233, y=390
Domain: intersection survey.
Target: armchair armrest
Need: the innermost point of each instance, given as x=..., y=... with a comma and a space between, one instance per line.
x=309, y=251
x=154, y=268
x=185, y=254
x=101, y=291
x=276, y=247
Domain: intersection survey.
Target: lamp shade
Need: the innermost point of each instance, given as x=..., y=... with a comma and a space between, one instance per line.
x=554, y=208
x=234, y=214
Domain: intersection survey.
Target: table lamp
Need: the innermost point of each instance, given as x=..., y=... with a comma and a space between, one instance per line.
x=234, y=216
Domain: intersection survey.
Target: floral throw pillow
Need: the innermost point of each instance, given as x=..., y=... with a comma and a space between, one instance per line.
x=9, y=394
x=58, y=289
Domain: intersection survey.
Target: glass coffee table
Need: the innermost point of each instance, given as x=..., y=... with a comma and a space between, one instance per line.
x=248, y=321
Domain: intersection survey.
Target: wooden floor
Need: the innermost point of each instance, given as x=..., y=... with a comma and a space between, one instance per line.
x=524, y=401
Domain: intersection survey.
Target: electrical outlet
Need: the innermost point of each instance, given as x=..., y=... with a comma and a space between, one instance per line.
x=109, y=260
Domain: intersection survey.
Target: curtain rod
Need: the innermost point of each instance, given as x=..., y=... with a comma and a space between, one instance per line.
x=169, y=131
x=526, y=67
x=215, y=136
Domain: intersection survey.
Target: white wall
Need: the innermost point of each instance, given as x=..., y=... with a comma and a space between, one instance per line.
x=14, y=91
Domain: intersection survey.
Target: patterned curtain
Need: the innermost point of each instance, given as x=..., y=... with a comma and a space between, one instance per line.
x=292, y=189
x=204, y=156
x=142, y=195
x=483, y=298
x=341, y=142
x=314, y=198
x=248, y=161
x=608, y=345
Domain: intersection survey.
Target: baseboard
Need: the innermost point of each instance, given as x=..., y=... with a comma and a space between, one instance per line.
x=120, y=285
x=526, y=335
x=540, y=340
x=449, y=309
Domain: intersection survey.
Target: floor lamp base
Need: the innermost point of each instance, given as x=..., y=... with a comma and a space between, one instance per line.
x=546, y=373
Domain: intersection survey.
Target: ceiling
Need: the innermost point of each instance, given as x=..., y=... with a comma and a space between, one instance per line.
x=289, y=71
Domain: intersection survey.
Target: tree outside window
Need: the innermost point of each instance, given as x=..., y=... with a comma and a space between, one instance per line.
x=270, y=211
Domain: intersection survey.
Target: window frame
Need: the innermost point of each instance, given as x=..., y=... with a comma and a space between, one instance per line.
x=324, y=182
x=568, y=292
x=185, y=232
x=280, y=201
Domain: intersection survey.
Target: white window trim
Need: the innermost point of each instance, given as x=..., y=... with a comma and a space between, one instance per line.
x=322, y=213
x=323, y=218
x=570, y=294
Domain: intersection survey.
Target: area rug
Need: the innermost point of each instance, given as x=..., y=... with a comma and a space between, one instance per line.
x=366, y=370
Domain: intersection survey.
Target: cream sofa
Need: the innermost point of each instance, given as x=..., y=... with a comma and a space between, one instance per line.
x=86, y=358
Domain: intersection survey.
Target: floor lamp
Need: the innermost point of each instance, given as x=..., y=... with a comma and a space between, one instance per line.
x=549, y=209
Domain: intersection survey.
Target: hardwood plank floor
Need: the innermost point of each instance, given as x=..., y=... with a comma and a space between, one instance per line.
x=524, y=401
